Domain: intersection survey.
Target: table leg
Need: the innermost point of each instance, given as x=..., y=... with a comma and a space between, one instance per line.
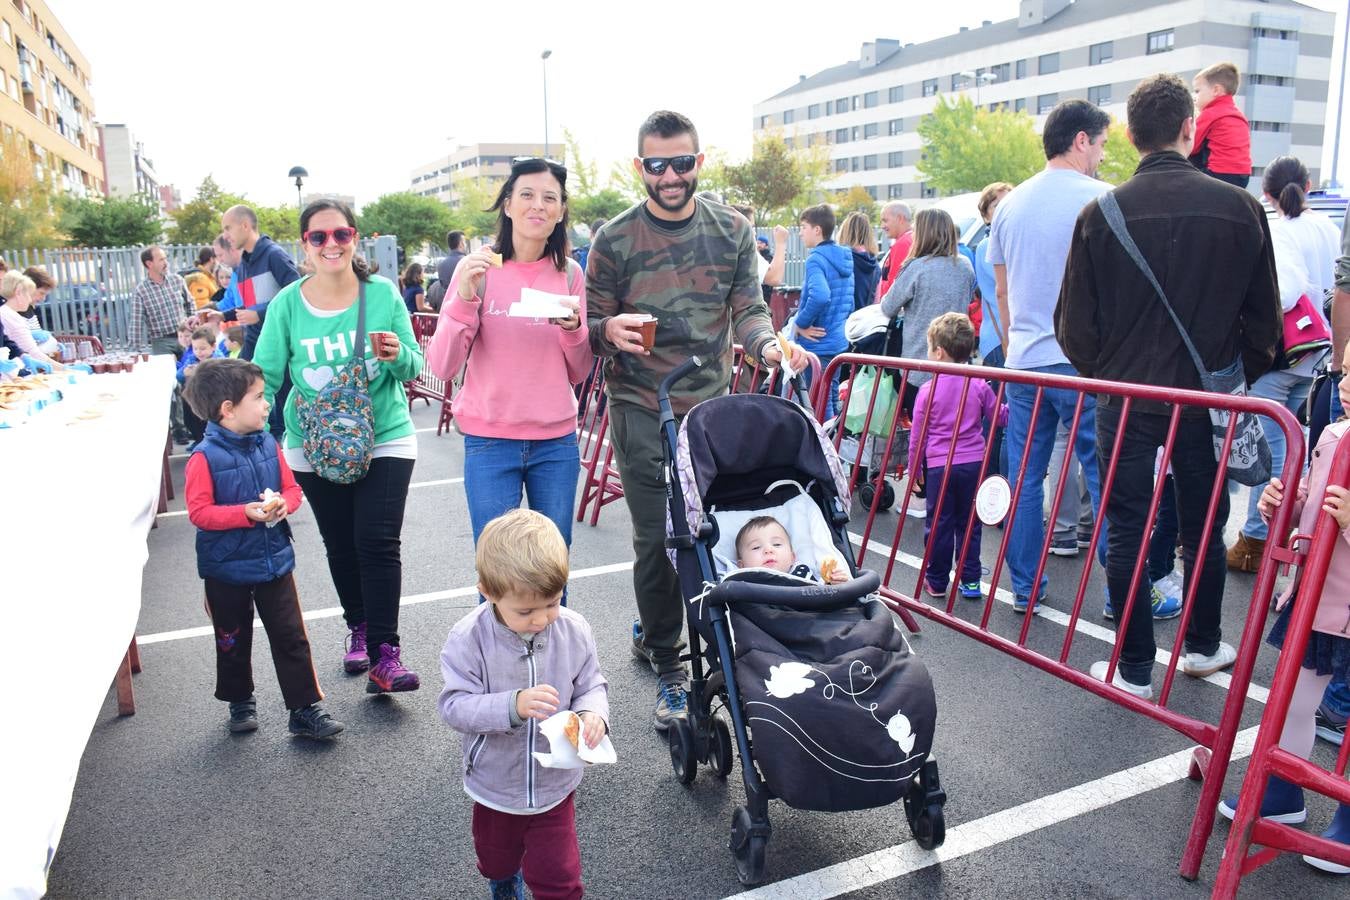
x=126, y=698
x=134, y=653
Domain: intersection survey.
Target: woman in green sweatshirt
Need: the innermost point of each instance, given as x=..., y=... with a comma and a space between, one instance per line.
x=310, y=332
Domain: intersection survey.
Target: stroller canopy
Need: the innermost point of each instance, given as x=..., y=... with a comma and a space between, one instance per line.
x=732, y=447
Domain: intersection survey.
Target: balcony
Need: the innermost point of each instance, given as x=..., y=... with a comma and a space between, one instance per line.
x=1270, y=103
x=1272, y=56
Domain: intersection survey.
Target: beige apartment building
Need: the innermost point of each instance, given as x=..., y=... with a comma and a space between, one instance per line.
x=48, y=100
x=492, y=162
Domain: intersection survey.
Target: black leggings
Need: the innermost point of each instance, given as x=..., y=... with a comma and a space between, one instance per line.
x=360, y=524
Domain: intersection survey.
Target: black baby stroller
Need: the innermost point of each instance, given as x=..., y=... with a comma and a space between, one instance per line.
x=829, y=708
x=863, y=443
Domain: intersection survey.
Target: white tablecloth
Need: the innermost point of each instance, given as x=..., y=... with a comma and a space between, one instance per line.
x=78, y=514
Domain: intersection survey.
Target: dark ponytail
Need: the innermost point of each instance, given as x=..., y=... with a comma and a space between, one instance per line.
x=360, y=265
x=1284, y=181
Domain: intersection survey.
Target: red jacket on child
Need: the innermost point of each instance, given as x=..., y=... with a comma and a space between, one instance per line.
x=1223, y=139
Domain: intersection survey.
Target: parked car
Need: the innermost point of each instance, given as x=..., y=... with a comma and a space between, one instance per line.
x=72, y=309
x=1329, y=202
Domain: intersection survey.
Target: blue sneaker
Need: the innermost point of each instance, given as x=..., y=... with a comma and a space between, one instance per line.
x=671, y=700
x=971, y=590
x=512, y=888
x=1021, y=603
x=1164, y=607
x=1283, y=803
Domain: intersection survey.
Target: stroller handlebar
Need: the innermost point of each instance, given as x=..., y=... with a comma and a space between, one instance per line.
x=682, y=370
x=820, y=597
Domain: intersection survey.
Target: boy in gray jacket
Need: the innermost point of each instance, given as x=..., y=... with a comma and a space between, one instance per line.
x=509, y=664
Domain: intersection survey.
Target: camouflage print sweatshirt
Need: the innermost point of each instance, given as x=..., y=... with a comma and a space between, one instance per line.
x=701, y=282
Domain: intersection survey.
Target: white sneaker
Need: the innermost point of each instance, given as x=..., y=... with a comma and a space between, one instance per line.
x=1143, y=691
x=1199, y=666
x=917, y=509
x=1170, y=585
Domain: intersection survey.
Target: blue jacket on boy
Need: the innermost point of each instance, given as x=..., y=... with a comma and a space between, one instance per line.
x=827, y=297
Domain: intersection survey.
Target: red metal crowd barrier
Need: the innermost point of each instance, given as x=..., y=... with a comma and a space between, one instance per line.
x=1267, y=758
x=1210, y=760
x=601, y=485
x=427, y=387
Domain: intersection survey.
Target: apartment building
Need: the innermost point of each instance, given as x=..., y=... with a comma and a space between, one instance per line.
x=867, y=111
x=48, y=101
x=438, y=178
x=128, y=169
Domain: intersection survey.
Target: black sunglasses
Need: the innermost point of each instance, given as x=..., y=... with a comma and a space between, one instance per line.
x=656, y=165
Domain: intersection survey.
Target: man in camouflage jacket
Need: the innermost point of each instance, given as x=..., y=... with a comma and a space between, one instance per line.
x=690, y=263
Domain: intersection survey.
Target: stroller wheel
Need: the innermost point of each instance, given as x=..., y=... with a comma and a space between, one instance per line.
x=923, y=807
x=719, y=747
x=866, y=493
x=748, y=845
x=930, y=829
x=682, y=759
x=887, y=496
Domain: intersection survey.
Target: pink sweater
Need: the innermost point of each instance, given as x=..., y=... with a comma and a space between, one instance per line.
x=518, y=383
x=1333, y=607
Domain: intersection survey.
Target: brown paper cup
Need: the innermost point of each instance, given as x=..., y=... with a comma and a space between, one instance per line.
x=648, y=329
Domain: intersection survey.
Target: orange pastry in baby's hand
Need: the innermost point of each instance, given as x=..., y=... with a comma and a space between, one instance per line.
x=827, y=569
x=572, y=728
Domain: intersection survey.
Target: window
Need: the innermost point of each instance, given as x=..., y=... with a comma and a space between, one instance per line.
x=1021, y=68
x=1099, y=95
x=6, y=32
x=871, y=161
x=926, y=191
x=1276, y=33
x=871, y=99
x=872, y=191
x=1275, y=80
x=1001, y=72
x=789, y=142
x=855, y=133
x=895, y=192
x=841, y=165
x=871, y=130
x=1048, y=64
x=813, y=111
x=895, y=94
x=1046, y=102
x=1160, y=41
x=1100, y=53
x=788, y=116
x=895, y=126
x=841, y=105
x=1270, y=126
x=930, y=87
x=1020, y=104
x=997, y=105
x=895, y=159
x=957, y=81
x=763, y=122
x=841, y=136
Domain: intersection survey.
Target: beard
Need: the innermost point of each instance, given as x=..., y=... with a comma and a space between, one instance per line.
x=690, y=187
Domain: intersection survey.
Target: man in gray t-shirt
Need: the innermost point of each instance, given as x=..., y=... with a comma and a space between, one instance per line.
x=1028, y=245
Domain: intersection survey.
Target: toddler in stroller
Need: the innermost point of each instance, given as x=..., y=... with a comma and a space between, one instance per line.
x=829, y=708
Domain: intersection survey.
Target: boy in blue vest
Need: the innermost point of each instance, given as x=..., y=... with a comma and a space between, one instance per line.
x=239, y=492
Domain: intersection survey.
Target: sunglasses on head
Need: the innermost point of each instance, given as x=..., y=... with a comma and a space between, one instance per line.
x=341, y=236
x=656, y=165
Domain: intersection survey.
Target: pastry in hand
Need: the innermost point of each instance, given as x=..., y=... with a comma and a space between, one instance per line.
x=495, y=260
x=572, y=729
x=827, y=569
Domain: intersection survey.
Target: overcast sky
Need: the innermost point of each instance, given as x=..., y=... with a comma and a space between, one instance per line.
x=361, y=92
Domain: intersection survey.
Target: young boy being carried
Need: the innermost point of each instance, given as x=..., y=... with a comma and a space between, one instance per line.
x=512, y=662
x=239, y=491
x=951, y=338
x=1223, y=138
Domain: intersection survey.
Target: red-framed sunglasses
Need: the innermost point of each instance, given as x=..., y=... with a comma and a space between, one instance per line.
x=318, y=237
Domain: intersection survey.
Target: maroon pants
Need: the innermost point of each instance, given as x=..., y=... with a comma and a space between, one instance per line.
x=231, y=607
x=543, y=847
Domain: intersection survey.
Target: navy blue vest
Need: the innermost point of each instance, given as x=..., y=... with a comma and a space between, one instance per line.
x=242, y=467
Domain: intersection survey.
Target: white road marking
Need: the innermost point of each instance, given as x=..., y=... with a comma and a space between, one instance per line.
x=962, y=840
x=415, y=484
x=334, y=611
x=1091, y=629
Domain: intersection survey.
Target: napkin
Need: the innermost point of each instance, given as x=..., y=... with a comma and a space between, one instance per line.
x=564, y=755
x=535, y=304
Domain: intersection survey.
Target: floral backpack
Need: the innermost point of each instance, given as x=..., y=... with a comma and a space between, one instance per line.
x=338, y=425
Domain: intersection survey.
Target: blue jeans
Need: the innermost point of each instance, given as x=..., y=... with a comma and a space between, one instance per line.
x=498, y=470
x=1336, y=699
x=832, y=406
x=1291, y=392
x=1035, y=440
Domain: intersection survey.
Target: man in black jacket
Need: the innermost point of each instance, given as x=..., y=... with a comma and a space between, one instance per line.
x=1209, y=247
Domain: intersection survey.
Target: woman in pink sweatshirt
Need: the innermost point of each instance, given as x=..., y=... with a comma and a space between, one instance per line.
x=516, y=407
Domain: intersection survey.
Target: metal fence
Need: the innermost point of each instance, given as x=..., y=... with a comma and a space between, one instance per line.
x=794, y=270
x=94, y=284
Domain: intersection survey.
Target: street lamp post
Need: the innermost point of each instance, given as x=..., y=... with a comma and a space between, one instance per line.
x=978, y=79
x=543, y=62
x=299, y=174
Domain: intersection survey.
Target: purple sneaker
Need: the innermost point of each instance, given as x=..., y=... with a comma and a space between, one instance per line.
x=389, y=674
x=357, y=659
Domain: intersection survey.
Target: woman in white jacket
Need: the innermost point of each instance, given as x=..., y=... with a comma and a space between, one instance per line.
x=1306, y=245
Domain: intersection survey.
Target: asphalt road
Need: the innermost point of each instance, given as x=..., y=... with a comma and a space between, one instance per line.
x=1052, y=792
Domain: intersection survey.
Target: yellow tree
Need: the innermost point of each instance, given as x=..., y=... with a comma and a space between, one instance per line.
x=27, y=199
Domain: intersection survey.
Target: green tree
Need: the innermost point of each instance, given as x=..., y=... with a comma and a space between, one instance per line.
x=604, y=204
x=775, y=179
x=27, y=200
x=198, y=220
x=413, y=218
x=111, y=222
x=474, y=216
x=581, y=174
x=855, y=199
x=281, y=223
x=1121, y=158
x=965, y=148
